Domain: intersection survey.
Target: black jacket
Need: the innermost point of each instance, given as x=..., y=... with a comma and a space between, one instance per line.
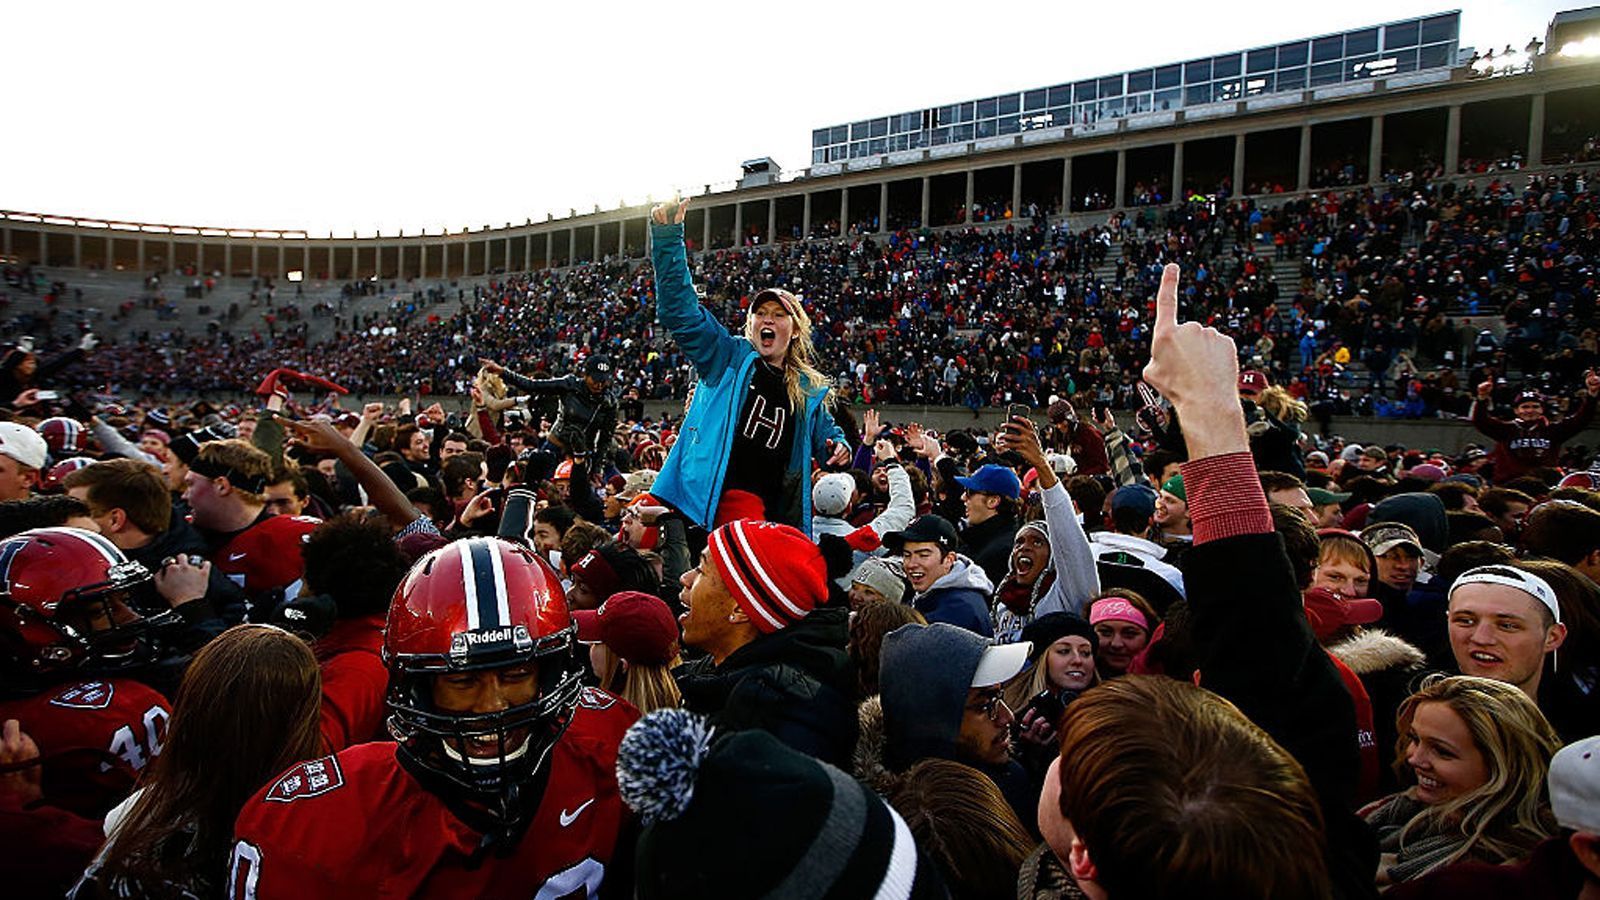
x=988, y=544
x=224, y=602
x=795, y=683
x=585, y=420
x=1256, y=649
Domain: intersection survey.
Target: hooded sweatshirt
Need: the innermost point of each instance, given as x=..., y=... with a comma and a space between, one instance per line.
x=895, y=517
x=1071, y=573
x=960, y=598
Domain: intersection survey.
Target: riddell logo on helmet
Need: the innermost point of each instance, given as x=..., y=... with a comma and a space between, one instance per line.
x=464, y=642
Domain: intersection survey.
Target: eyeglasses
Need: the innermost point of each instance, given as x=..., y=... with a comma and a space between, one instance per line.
x=991, y=706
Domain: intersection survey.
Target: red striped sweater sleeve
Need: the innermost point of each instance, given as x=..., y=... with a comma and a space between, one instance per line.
x=1225, y=497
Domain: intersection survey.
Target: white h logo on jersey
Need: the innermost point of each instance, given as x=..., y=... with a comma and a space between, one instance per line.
x=768, y=419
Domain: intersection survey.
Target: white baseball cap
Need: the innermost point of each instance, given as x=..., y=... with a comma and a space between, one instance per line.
x=23, y=444
x=1575, y=785
x=1000, y=662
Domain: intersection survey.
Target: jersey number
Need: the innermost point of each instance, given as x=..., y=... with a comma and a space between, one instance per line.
x=580, y=882
x=126, y=745
x=244, y=871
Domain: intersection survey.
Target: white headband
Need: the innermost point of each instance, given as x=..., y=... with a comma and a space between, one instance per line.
x=1505, y=576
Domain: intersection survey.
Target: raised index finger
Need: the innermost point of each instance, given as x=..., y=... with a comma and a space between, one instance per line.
x=1167, y=299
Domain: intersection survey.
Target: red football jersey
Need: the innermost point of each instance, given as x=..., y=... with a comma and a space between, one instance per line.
x=95, y=737
x=266, y=556
x=354, y=682
x=357, y=824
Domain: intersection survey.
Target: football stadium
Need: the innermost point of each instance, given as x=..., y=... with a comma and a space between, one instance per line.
x=1173, y=481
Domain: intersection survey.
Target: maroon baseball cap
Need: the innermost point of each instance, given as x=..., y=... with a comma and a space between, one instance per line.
x=1252, y=381
x=1328, y=612
x=636, y=626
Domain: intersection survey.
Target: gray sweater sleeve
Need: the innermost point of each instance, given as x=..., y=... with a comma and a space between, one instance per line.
x=117, y=445
x=1077, y=579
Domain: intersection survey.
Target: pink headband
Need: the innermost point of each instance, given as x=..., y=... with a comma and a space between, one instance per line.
x=161, y=436
x=1116, y=609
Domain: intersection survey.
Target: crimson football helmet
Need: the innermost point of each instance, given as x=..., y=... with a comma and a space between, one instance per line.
x=1588, y=479
x=52, y=478
x=62, y=435
x=64, y=605
x=473, y=605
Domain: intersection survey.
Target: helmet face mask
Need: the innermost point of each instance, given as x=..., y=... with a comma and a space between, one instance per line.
x=492, y=609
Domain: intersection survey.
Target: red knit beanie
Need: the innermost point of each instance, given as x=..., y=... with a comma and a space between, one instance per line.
x=775, y=573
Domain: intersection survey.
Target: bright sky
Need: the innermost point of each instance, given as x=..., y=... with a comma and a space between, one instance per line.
x=350, y=116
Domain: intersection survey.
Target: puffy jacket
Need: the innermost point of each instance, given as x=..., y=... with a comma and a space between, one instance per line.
x=585, y=419
x=796, y=683
x=960, y=598
x=692, y=476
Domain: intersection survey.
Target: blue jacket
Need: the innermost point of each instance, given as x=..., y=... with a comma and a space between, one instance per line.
x=691, y=478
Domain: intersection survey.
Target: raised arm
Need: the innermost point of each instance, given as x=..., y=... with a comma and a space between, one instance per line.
x=1077, y=578
x=1239, y=583
x=564, y=384
x=704, y=340
x=385, y=495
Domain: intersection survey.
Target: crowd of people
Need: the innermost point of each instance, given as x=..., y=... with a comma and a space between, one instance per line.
x=779, y=646
x=1379, y=321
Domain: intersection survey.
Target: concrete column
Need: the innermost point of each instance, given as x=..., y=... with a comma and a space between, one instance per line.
x=77, y=251
x=805, y=216
x=844, y=210
x=1452, y=139
x=227, y=259
x=111, y=255
x=1066, y=186
x=255, y=260
x=927, y=197
x=1016, y=191
x=172, y=256
x=138, y=244
x=705, y=230
x=305, y=263
x=883, y=206
x=1303, y=179
x=1238, y=165
x=1122, y=178
x=738, y=224
x=1536, y=130
x=549, y=249
x=772, y=220
x=622, y=239
x=572, y=244
x=44, y=249
x=597, y=242
x=1375, y=152
x=966, y=211
x=1175, y=190
x=5, y=239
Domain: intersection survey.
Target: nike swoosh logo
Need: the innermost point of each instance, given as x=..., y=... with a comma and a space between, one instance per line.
x=234, y=557
x=567, y=818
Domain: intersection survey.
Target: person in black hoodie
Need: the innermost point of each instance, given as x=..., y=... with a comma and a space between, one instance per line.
x=774, y=659
x=1242, y=593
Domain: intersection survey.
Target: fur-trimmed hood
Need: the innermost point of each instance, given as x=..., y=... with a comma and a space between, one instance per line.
x=867, y=763
x=1375, y=650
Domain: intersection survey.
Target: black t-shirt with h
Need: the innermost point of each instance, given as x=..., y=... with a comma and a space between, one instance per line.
x=763, y=440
